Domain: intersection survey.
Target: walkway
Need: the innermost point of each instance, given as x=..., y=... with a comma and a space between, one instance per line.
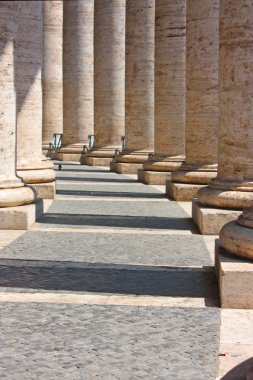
x=111, y=283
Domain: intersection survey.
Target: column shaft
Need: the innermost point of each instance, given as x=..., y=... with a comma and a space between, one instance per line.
x=170, y=39
x=139, y=111
x=12, y=189
x=109, y=80
x=33, y=168
x=233, y=187
x=202, y=32
x=78, y=77
x=52, y=118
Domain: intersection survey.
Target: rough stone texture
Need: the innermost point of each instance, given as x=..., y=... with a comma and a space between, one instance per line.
x=202, y=35
x=155, y=178
x=235, y=276
x=210, y=220
x=113, y=342
x=12, y=190
x=109, y=78
x=52, y=114
x=78, y=77
x=235, y=169
x=139, y=103
x=183, y=192
x=31, y=165
x=115, y=249
x=44, y=190
x=169, y=85
x=21, y=217
x=237, y=237
x=126, y=168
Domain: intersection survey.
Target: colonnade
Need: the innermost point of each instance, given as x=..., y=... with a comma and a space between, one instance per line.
x=170, y=79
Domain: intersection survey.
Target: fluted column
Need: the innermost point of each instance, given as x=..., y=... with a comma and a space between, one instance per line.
x=202, y=40
x=109, y=80
x=139, y=111
x=78, y=78
x=32, y=167
x=170, y=39
x=233, y=186
x=52, y=118
x=12, y=189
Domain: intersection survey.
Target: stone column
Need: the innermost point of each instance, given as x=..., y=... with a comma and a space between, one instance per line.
x=109, y=80
x=12, y=189
x=202, y=41
x=232, y=189
x=139, y=103
x=78, y=78
x=170, y=39
x=32, y=167
x=52, y=118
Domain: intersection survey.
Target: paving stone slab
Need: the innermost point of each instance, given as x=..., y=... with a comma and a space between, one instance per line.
x=74, y=342
x=128, y=249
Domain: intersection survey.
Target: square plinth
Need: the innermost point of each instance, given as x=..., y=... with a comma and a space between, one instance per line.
x=21, y=217
x=211, y=220
x=76, y=157
x=97, y=161
x=126, y=168
x=44, y=190
x=155, y=178
x=182, y=191
x=235, y=277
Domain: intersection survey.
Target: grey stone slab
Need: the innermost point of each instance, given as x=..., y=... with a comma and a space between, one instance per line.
x=128, y=249
x=107, y=188
x=108, y=342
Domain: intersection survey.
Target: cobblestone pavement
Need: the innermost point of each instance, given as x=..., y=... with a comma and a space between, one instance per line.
x=106, y=234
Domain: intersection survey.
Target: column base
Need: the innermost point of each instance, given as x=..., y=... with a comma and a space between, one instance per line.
x=182, y=191
x=44, y=190
x=211, y=220
x=96, y=161
x=21, y=217
x=155, y=178
x=235, y=277
x=125, y=168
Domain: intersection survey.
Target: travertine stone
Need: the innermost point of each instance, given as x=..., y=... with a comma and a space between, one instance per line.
x=237, y=237
x=184, y=192
x=139, y=111
x=44, y=190
x=235, y=276
x=21, y=217
x=150, y=177
x=78, y=76
x=52, y=117
x=235, y=163
x=12, y=189
x=109, y=79
x=32, y=166
x=202, y=36
x=210, y=220
x=170, y=40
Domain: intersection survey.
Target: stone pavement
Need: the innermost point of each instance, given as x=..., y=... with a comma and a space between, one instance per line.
x=113, y=282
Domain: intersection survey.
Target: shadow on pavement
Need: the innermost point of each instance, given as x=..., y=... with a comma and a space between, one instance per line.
x=103, y=278
x=84, y=193
x=118, y=221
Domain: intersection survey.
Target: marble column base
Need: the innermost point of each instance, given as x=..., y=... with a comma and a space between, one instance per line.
x=129, y=162
x=16, y=196
x=210, y=220
x=37, y=172
x=184, y=192
x=100, y=156
x=154, y=178
x=158, y=169
x=21, y=217
x=235, y=277
x=44, y=190
x=74, y=152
